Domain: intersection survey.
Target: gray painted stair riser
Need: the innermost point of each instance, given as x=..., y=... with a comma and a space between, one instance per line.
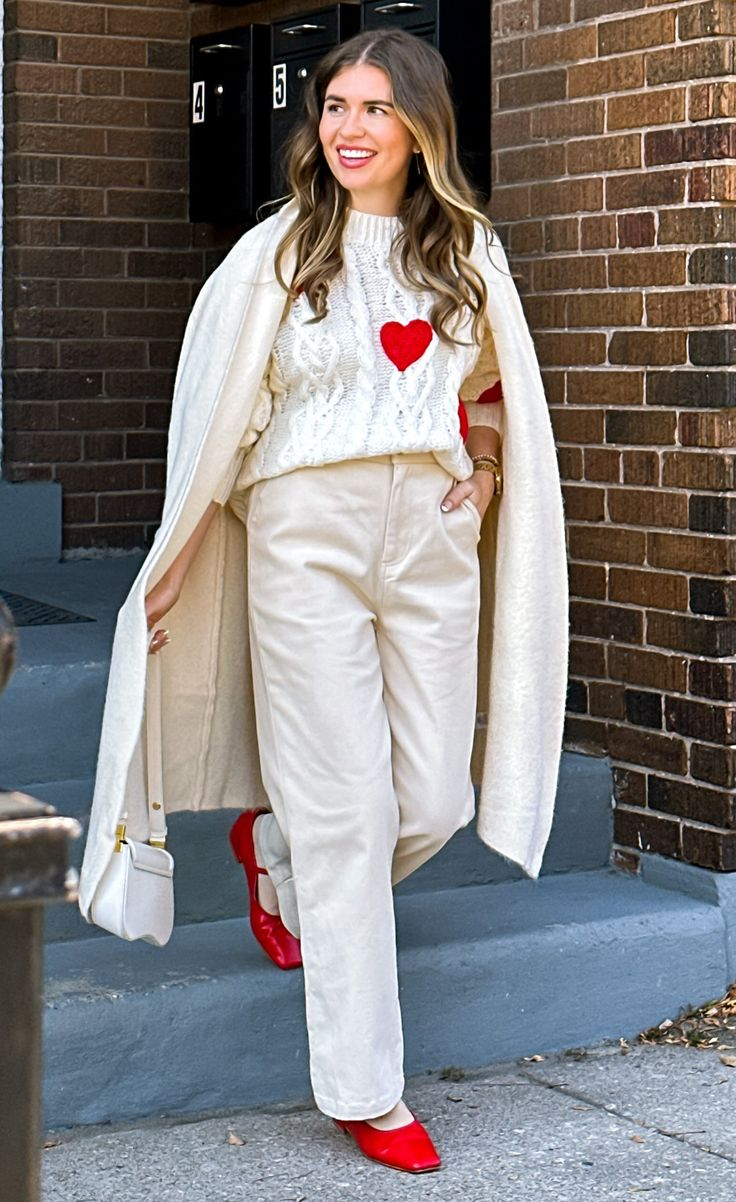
x=210, y=885
x=717, y=888
x=51, y=712
x=51, y=719
x=487, y=974
x=30, y=523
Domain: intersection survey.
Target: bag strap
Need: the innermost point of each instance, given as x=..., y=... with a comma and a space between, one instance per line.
x=154, y=753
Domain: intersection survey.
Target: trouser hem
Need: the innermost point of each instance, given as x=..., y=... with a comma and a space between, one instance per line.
x=362, y=1110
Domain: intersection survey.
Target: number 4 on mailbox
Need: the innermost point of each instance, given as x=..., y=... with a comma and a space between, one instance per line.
x=198, y=102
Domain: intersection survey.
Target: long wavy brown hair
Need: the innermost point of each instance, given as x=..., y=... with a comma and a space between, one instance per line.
x=439, y=210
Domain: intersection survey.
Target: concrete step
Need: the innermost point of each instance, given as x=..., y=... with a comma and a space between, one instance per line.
x=210, y=885
x=52, y=708
x=488, y=973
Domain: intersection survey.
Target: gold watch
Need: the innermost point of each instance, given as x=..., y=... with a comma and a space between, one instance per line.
x=489, y=463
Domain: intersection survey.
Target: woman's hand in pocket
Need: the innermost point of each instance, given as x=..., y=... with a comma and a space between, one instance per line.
x=479, y=489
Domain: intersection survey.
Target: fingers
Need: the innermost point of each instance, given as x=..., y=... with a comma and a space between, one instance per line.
x=455, y=496
x=477, y=491
x=159, y=640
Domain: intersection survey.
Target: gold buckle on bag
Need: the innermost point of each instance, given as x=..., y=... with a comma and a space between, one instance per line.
x=120, y=839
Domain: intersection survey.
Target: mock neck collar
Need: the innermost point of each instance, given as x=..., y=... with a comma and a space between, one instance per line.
x=370, y=227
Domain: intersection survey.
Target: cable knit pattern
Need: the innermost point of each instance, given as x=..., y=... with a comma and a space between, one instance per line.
x=337, y=394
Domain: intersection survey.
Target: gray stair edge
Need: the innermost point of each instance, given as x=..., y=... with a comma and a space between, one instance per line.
x=572, y=960
x=715, y=888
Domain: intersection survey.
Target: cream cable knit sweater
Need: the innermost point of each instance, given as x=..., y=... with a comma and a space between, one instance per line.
x=372, y=378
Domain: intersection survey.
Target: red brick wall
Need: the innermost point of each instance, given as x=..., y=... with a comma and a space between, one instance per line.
x=101, y=263
x=614, y=137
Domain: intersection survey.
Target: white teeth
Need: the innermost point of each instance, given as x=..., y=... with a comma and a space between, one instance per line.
x=356, y=154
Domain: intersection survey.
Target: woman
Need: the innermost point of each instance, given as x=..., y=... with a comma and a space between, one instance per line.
x=359, y=489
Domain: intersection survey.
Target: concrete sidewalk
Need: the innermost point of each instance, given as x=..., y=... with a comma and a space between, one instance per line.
x=583, y=1126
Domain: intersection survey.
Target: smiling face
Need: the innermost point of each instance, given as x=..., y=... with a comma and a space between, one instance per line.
x=367, y=146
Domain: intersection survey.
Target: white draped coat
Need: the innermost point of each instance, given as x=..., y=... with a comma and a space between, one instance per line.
x=210, y=748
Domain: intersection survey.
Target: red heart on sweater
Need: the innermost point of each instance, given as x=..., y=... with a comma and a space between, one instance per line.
x=405, y=344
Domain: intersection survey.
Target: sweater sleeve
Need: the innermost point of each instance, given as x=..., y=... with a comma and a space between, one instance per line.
x=481, y=391
x=227, y=482
x=259, y=419
x=482, y=414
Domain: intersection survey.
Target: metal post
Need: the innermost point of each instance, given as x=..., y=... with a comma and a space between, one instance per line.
x=34, y=853
x=34, y=870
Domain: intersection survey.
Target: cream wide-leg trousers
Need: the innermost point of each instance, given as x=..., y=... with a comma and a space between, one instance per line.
x=363, y=603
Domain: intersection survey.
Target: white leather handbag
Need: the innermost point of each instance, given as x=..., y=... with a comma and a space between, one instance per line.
x=135, y=898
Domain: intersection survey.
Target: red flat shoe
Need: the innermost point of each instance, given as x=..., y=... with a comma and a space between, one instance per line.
x=278, y=943
x=408, y=1148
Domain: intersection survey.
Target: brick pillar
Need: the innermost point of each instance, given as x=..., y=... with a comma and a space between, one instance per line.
x=614, y=137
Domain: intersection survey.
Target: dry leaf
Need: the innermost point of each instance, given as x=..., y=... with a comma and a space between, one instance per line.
x=730, y=1061
x=451, y=1073
x=637, y=1139
x=232, y=1138
x=692, y=1029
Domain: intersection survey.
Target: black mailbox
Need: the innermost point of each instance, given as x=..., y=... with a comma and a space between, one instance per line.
x=297, y=46
x=462, y=34
x=229, y=151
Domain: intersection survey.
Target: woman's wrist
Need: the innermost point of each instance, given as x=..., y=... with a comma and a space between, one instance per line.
x=485, y=482
x=483, y=440
x=488, y=465
x=173, y=577
x=175, y=574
